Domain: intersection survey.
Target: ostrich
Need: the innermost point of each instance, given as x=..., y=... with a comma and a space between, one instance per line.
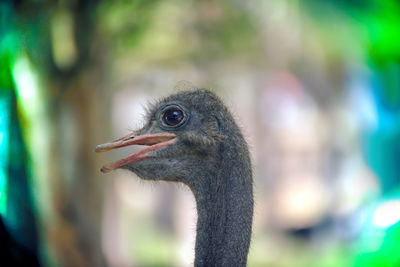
x=191, y=137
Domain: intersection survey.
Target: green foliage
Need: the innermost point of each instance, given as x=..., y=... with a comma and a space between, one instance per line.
x=229, y=31
x=6, y=46
x=124, y=21
x=379, y=246
x=374, y=23
x=383, y=26
x=5, y=72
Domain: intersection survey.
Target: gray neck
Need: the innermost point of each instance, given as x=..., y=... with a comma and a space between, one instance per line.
x=225, y=211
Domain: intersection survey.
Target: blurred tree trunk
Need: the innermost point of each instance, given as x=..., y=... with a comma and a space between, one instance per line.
x=75, y=111
x=78, y=189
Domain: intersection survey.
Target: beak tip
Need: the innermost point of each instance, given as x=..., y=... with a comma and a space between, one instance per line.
x=104, y=170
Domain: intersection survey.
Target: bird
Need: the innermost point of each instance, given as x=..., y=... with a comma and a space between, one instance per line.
x=191, y=137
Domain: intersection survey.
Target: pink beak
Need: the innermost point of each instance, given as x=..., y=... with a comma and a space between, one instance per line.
x=153, y=141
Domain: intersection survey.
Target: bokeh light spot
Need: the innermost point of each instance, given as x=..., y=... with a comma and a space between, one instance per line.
x=387, y=214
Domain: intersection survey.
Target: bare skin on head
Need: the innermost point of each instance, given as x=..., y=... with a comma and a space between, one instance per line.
x=192, y=138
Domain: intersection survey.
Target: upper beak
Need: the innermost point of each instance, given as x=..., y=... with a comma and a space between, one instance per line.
x=153, y=141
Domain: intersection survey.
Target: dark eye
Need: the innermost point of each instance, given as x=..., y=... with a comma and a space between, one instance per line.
x=172, y=116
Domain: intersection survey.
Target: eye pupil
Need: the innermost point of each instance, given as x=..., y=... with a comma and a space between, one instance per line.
x=172, y=116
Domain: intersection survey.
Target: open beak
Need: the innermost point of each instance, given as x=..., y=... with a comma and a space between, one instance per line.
x=152, y=141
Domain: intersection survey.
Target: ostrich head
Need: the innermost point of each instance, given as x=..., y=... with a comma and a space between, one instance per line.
x=191, y=137
x=183, y=134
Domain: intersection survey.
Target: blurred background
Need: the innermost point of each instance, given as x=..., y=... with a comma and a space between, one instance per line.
x=315, y=86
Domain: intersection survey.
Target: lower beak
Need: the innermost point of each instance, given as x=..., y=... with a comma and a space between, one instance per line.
x=153, y=141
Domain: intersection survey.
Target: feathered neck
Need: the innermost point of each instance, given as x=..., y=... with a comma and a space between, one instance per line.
x=224, y=198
